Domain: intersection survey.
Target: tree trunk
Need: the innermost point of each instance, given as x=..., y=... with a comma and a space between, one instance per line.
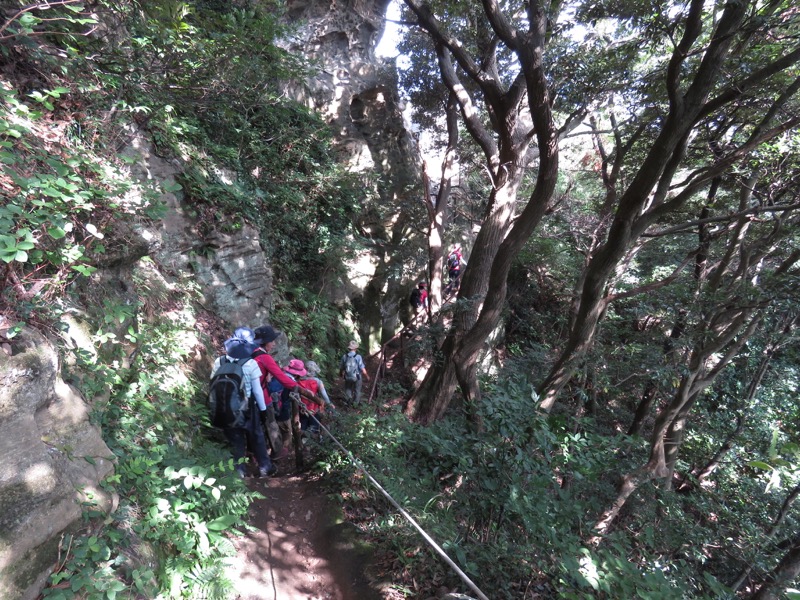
x=752, y=387
x=504, y=229
x=434, y=394
x=637, y=207
x=649, y=394
x=439, y=209
x=643, y=408
x=700, y=373
x=674, y=438
x=781, y=576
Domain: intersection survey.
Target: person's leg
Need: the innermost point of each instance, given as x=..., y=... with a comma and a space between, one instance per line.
x=357, y=391
x=273, y=433
x=259, y=445
x=349, y=391
x=237, y=440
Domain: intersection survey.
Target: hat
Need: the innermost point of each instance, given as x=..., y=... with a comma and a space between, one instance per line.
x=244, y=333
x=265, y=334
x=312, y=368
x=237, y=348
x=353, y=345
x=295, y=367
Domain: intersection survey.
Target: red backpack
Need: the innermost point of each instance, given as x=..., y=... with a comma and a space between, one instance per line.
x=312, y=386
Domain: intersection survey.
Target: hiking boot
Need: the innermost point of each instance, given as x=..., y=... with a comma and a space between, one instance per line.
x=271, y=472
x=241, y=472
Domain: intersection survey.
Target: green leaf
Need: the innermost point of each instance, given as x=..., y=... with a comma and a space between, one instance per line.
x=221, y=523
x=84, y=269
x=56, y=233
x=758, y=464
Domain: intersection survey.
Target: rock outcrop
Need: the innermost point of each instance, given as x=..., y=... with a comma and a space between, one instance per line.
x=231, y=269
x=51, y=462
x=356, y=92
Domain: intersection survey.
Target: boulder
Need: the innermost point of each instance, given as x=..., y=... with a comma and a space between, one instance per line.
x=52, y=460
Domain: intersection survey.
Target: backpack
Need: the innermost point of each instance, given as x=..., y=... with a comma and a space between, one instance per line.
x=226, y=398
x=415, y=299
x=351, y=368
x=453, y=262
x=312, y=386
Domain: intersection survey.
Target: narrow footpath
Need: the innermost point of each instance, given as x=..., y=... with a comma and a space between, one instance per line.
x=301, y=548
x=298, y=549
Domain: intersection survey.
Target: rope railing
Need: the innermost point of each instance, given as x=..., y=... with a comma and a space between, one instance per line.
x=431, y=542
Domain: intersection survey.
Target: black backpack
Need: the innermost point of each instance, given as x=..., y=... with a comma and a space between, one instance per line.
x=226, y=398
x=415, y=299
x=453, y=262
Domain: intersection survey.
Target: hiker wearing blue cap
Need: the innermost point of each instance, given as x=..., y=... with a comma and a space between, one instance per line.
x=237, y=369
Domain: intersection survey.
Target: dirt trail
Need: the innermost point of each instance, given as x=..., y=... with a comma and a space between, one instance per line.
x=301, y=548
x=298, y=549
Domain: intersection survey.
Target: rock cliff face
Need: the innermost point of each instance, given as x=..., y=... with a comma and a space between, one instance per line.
x=235, y=279
x=357, y=93
x=51, y=460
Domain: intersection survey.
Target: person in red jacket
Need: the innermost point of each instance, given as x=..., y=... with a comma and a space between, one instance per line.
x=265, y=337
x=298, y=369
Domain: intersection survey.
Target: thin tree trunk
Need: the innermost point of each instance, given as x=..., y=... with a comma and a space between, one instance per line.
x=752, y=388
x=643, y=408
x=649, y=394
x=439, y=209
x=781, y=576
x=726, y=446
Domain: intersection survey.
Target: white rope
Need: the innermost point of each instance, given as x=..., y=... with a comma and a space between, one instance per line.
x=464, y=577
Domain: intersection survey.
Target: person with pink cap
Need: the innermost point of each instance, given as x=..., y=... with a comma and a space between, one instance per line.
x=309, y=381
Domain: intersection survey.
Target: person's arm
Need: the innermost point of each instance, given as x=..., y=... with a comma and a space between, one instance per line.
x=254, y=379
x=214, y=369
x=322, y=391
x=363, y=367
x=274, y=370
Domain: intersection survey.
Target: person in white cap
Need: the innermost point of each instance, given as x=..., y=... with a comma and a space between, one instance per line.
x=353, y=370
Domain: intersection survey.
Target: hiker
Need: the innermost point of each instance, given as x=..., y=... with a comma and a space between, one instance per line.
x=296, y=368
x=313, y=373
x=353, y=370
x=279, y=388
x=238, y=350
x=264, y=336
x=419, y=301
x=455, y=261
x=311, y=381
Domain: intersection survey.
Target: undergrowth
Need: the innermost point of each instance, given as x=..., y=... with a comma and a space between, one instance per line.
x=512, y=505
x=179, y=494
